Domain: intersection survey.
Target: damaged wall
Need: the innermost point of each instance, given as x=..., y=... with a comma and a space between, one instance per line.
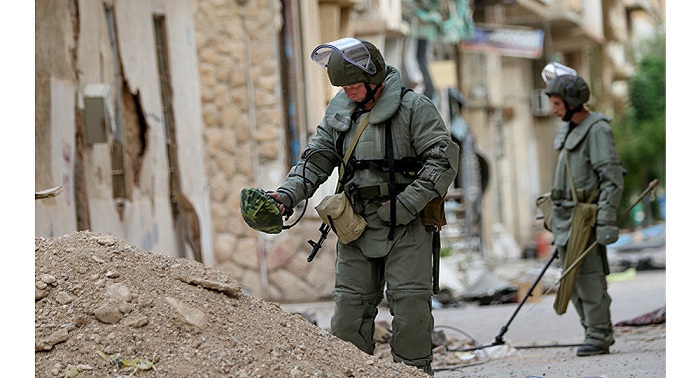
x=122, y=184
x=159, y=179
x=196, y=111
x=54, y=85
x=239, y=45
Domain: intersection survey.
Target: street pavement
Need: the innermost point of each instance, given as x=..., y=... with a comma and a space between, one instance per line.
x=537, y=342
x=536, y=331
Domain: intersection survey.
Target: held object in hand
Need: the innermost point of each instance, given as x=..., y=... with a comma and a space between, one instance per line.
x=260, y=211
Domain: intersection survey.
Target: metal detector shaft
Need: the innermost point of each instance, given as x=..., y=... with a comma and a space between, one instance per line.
x=504, y=329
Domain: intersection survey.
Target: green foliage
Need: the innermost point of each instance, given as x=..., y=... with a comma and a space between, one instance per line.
x=446, y=251
x=648, y=88
x=640, y=133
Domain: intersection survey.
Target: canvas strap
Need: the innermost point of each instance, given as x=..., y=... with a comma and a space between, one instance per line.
x=571, y=179
x=351, y=148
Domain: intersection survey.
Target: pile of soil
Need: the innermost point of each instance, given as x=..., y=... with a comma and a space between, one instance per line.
x=104, y=308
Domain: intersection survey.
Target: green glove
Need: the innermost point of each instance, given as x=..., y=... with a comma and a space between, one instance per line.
x=606, y=234
x=403, y=215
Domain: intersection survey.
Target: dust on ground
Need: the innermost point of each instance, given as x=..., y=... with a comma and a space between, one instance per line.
x=104, y=308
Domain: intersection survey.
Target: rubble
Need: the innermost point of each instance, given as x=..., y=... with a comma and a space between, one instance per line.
x=105, y=308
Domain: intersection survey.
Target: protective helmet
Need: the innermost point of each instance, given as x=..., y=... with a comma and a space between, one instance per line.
x=350, y=61
x=573, y=89
x=554, y=69
x=260, y=211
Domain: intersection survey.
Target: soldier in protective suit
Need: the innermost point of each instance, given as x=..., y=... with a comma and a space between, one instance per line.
x=403, y=159
x=588, y=170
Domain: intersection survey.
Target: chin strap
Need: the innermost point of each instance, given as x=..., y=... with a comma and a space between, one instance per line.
x=570, y=112
x=370, y=93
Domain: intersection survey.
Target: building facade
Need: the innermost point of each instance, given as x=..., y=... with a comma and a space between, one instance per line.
x=118, y=124
x=153, y=115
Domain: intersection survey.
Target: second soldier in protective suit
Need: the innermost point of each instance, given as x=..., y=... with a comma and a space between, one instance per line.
x=588, y=170
x=403, y=159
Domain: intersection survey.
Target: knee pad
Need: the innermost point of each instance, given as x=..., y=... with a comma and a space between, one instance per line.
x=412, y=327
x=353, y=319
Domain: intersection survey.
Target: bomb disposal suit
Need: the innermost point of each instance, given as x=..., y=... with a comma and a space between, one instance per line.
x=403, y=159
x=588, y=160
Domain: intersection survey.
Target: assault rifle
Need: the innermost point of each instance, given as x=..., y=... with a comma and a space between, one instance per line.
x=318, y=244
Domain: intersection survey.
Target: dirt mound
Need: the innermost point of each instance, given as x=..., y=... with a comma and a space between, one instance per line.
x=104, y=308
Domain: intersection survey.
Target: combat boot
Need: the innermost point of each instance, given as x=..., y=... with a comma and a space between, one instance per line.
x=591, y=350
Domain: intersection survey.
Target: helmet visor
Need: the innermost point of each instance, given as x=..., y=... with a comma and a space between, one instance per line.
x=351, y=49
x=554, y=69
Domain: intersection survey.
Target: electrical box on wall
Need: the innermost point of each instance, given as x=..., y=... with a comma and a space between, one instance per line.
x=97, y=120
x=540, y=103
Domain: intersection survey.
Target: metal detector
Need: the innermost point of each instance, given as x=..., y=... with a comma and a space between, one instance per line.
x=504, y=329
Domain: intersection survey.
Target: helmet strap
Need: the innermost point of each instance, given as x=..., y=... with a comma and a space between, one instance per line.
x=370, y=93
x=570, y=112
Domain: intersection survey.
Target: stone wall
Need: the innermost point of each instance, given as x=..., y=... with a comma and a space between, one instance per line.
x=238, y=47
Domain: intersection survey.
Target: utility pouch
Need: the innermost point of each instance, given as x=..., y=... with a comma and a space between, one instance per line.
x=336, y=211
x=545, y=204
x=433, y=215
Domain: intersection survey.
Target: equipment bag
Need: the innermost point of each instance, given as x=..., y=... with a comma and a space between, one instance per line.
x=336, y=211
x=433, y=215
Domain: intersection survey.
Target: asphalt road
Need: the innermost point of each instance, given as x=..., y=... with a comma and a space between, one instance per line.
x=536, y=329
x=533, y=339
